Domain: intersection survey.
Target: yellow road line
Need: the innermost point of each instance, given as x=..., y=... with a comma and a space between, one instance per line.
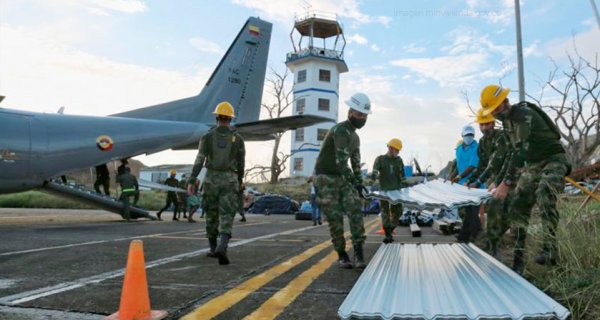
x=271, y=308
x=225, y=301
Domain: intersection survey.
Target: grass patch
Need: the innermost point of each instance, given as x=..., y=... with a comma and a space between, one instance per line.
x=149, y=200
x=575, y=281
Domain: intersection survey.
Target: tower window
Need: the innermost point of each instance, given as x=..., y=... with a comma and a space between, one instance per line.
x=321, y=133
x=300, y=106
x=299, y=135
x=323, y=104
x=298, y=164
x=301, y=76
x=324, y=75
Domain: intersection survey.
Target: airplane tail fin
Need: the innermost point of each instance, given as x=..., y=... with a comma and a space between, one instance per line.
x=238, y=78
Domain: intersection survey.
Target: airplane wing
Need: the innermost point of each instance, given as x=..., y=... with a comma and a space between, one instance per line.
x=158, y=186
x=266, y=129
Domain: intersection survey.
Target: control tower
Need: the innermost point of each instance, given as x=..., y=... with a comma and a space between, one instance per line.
x=316, y=62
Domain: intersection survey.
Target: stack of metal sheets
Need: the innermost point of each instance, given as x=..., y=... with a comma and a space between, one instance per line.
x=434, y=194
x=444, y=281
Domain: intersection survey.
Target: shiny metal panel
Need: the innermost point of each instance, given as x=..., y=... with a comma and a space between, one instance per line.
x=434, y=194
x=444, y=281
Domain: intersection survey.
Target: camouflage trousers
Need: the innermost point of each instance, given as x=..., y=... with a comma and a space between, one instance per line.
x=390, y=215
x=498, y=217
x=220, y=198
x=540, y=183
x=335, y=196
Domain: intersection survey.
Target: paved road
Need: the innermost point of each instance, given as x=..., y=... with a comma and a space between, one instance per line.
x=69, y=264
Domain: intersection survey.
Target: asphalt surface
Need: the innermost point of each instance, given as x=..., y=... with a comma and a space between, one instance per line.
x=69, y=264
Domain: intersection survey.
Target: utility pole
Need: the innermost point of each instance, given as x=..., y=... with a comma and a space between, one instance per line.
x=520, y=52
x=593, y=2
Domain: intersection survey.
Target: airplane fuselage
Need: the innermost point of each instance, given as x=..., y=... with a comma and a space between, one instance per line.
x=35, y=147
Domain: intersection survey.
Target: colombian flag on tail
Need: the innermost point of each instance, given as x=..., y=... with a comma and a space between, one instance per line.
x=254, y=30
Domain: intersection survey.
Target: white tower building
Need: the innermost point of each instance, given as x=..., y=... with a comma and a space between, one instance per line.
x=316, y=72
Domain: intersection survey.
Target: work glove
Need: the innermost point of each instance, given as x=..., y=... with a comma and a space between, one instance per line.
x=362, y=191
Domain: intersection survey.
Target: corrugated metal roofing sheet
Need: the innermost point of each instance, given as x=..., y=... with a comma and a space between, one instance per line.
x=444, y=281
x=434, y=194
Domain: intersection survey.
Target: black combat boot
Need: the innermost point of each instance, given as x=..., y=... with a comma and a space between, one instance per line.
x=359, y=260
x=213, y=246
x=388, y=236
x=546, y=257
x=518, y=262
x=221, y=250
x=344, y=260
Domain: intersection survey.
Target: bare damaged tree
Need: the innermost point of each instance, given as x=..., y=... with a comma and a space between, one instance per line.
x=260, y=171
x=574, y=106
x=282, y=97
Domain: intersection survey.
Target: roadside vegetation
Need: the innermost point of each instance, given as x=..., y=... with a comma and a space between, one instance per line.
x=575, y=280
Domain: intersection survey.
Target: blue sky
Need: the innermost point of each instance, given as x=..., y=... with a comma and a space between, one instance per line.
x=413, y=58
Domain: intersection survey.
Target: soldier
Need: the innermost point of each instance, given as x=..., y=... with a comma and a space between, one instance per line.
x=338, y=186
x=193, y=198
x=102, y=179
x=182, y=196
x=121, y=168
x=539, y=157
x=389, y=169
x=171, y=197
x=129, y=188
x=492, y=152
x=223, y=153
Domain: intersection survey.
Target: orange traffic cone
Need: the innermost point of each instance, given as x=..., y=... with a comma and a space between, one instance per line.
x=135, y=300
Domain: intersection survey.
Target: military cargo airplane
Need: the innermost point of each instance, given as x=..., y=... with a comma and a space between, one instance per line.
x=35, y=147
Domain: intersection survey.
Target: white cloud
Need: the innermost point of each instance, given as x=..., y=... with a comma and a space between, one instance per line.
x=384, y=20
x=126, y=6
x=467, y=59
x=492, y=12
x=449, y=71
x=62, y=75
x=358, y=39
x=413, y=48
x=205, y=45
x=375, y=48
x=586, y=42
x=286, y=11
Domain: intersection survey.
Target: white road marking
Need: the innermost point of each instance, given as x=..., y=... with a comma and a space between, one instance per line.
x=67, y=286
x=113, y=240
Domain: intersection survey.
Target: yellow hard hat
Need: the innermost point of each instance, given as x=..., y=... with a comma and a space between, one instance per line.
x=395, y=143
x=172, y=172
x=491, y=97
x=481, y=119
x=224, y=109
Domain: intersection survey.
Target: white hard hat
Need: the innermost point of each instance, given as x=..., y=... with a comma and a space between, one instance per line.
x=468, y=129
x=360, y=102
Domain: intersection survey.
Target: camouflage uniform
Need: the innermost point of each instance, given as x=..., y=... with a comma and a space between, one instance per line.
x=390, y=172
x=223, y=153
x=539, y=157
x=335, y=183
x=493, y=150
x=129, y=188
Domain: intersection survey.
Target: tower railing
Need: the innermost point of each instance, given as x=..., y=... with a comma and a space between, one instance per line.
x=316, y=14
x=315, y=52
